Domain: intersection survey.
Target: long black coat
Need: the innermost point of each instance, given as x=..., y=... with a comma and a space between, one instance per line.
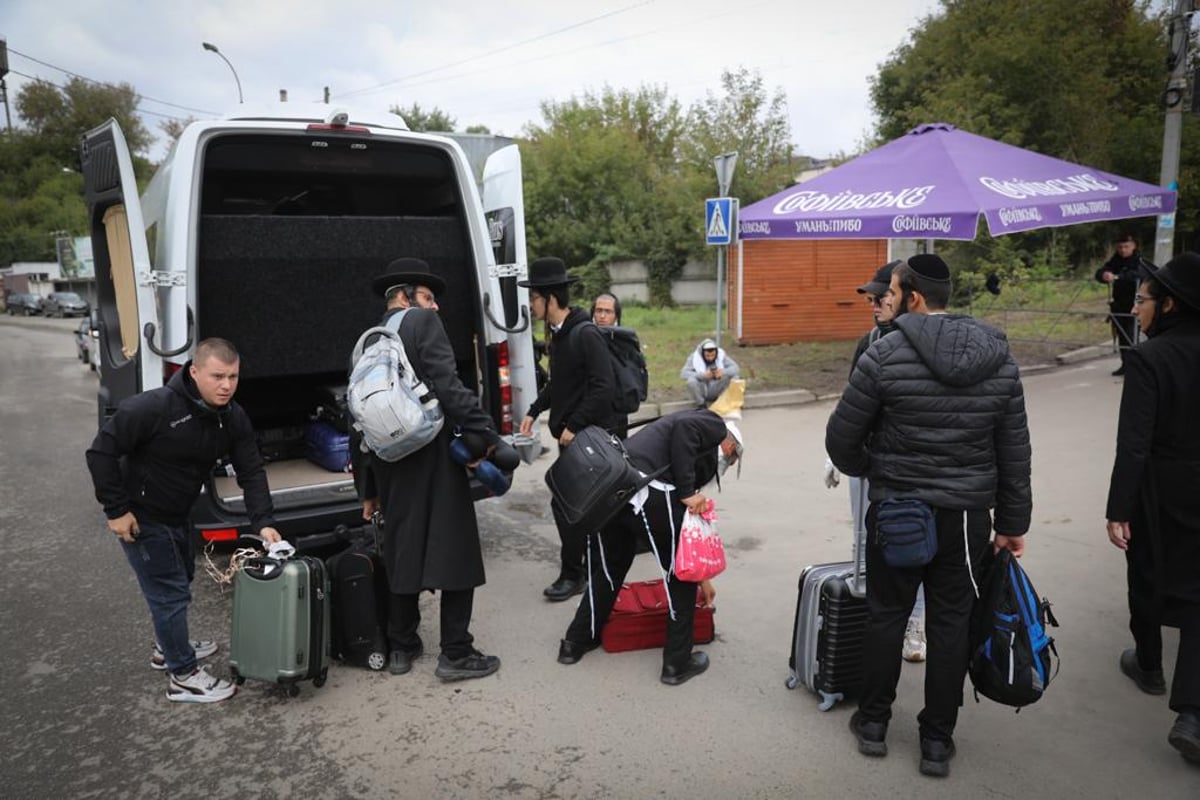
x=580, y=390
x=1156, y=474
x=431, y=536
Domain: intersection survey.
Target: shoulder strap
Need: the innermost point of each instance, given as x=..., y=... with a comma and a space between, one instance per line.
x=390, y=327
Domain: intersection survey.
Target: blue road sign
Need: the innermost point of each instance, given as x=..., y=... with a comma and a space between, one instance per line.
x=718, y=220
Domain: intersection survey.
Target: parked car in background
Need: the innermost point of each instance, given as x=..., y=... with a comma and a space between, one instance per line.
x=23, y=304
x=87, y=339
x=65, y=304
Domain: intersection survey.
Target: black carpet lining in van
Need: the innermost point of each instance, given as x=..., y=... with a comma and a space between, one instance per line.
x=293, y=293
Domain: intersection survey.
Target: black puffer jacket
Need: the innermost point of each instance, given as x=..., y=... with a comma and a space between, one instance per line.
x=155, y=452
x=937, y=412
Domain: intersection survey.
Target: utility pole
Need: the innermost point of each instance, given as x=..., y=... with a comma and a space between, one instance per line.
x=3, y=84
x=1178, y=30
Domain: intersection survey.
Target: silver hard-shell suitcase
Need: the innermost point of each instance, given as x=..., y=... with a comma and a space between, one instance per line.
x=830, y=625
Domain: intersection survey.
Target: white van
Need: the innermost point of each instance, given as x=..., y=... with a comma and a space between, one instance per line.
x=266, y=228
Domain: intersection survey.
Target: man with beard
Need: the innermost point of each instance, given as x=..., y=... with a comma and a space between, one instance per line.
x=935, y=413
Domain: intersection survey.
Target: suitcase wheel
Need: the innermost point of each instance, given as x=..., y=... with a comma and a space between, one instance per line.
x=294, y=689
x=376, y=661
x=792, y=682
x=237, y=679
x=318, y=681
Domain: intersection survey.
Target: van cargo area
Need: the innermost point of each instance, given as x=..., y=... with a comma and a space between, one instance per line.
x=292, y=230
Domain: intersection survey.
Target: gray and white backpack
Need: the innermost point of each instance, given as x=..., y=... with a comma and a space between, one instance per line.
x=392, y=408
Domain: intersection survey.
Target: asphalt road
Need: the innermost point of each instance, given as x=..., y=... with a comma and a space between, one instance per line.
x=82, y=715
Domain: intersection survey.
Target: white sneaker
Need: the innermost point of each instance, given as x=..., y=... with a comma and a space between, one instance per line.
x=199, y=687
x=203, y=648
x=914, y=640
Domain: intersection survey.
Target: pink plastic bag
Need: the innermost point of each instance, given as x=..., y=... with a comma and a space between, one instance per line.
x=700, y=555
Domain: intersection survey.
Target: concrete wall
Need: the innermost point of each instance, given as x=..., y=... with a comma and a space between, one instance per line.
x=697, y=285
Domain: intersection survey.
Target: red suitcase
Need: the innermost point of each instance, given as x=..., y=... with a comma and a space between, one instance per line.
x=639, y=619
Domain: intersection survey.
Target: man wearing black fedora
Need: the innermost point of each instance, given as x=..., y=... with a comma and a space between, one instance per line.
x=579, y=392
x=430, y=535
x=1153, y=508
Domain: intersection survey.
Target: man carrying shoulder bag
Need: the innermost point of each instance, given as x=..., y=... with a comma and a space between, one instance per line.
x=934, y=416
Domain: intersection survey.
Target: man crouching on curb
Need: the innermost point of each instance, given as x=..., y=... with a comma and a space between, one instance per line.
x=695, y=446
x=148, y=463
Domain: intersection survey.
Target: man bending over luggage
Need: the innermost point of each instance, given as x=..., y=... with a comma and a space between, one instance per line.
x=695, y=446
x=934, y=412
x=148, y=463
x=431, y=536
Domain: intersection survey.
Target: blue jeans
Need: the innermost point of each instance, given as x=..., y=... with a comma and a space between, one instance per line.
x=164, y=562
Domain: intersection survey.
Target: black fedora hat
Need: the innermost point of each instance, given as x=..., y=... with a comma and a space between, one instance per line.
x=547, y=271
x=1181, y=277
x=410, y=271
x=878, y=285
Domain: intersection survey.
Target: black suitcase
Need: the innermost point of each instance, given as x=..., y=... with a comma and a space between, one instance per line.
x=359, y=607
x=333, y=408
x=830, y=628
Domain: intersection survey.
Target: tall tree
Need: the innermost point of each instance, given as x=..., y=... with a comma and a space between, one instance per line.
x=746, y=118
x=59, y=117
x=419, y=119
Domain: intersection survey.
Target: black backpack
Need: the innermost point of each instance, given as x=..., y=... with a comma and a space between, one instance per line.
x=1011, y=652
x=630, y=375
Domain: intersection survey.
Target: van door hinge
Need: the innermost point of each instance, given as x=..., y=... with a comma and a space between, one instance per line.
x=162, y=279
x=515, y=270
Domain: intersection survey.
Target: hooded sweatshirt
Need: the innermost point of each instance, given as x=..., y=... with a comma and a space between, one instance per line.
x=153, y=455
x=936, y=412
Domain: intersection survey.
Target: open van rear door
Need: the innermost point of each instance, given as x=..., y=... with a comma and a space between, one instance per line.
x=125, y=285
x=504, y=207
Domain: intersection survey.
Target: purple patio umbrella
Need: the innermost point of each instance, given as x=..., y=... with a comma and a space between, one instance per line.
x=935, y=181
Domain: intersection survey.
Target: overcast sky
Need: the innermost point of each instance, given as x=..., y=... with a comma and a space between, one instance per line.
x=487, y=63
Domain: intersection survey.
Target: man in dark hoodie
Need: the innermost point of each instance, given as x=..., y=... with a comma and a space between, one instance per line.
x=148, y=463
x=934, y=411
x=579, y=392
x=1121, y=273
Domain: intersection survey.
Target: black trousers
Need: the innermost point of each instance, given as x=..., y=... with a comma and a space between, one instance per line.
x=618, y=540
x=949, y=598
x=1146, y=619
x=404, y=618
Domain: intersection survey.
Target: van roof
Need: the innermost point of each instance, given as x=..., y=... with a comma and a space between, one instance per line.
x=319, y=113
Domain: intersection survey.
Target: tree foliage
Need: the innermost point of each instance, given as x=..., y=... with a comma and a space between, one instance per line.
x=1080, y=80
x=59, y=117
x=419, y=119
x=621, y=173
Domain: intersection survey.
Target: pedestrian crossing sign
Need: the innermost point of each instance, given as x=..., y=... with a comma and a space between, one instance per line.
x=719, y=222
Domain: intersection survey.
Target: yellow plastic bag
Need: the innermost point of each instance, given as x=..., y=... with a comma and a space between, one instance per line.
x=729, y=402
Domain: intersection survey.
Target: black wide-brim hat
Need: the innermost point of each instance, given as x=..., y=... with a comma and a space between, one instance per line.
x=546, y=272
x=410, y=272
x=881, y=282
x=1180, y=276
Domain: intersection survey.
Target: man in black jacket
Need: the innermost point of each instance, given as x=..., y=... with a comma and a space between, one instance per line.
x=148, y=463
x=579, y=392
x=934, y=411
x=1153, y=507
x=694, y=445
x=431, y=534
x=1121, y=273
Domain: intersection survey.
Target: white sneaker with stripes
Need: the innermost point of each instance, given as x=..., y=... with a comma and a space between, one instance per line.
x=203, y=648
x=199, y=687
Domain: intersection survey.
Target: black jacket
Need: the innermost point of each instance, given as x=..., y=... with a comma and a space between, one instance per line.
x=1158, y=440
x=156, y=451
x=580, y=389
x=1124, y=287
x=687, y=441
x=936, y=411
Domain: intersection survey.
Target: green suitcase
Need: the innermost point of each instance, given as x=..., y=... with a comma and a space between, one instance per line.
x=281, y=622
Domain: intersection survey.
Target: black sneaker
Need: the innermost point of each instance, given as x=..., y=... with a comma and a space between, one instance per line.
x=400, y=662
x=871, y=736
x=1150, y=681
x=935, y=757
x=475, y=665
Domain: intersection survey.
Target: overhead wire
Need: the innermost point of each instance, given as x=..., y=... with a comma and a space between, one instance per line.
x=62, y=88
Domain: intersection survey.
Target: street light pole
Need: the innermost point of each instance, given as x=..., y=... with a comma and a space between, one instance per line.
x=1177, y=62
x=212, y=48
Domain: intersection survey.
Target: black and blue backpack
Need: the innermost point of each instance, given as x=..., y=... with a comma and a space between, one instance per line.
x=1012, y=654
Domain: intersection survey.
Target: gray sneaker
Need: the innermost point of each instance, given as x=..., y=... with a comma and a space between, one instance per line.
x=199, y=687
x=203, y=648
x=475, y=665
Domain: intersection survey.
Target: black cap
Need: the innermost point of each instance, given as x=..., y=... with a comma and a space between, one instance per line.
x=930, y=266
x=1181, y=277
x=878, y=285
x=410, y=272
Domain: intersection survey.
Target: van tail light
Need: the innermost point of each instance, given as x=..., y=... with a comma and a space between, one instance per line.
x=169, y=369
x=219, y=535
x=504, y=382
